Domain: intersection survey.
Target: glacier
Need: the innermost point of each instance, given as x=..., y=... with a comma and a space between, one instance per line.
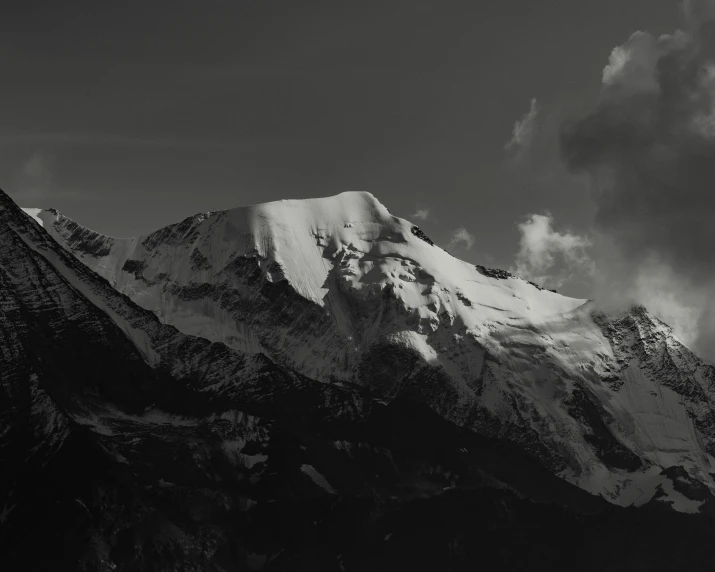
x=345, y=293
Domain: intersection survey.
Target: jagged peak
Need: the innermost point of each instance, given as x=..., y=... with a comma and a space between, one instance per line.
x=638, y=309
x=633, y=311
x=645, y=316
x=640, y=321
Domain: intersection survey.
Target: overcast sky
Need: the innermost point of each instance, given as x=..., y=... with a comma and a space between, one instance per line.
x=489, y=124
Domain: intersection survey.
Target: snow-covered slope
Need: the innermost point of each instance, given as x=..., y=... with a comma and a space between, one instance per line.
x=346, y=293
x=127, y=445
x=114, y=426
x=74, y=349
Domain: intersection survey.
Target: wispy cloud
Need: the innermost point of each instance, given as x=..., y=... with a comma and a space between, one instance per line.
x=462, y=237
x=421, y=214
x=524, y=132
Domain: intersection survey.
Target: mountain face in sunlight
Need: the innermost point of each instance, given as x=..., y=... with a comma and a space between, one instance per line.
x=346, y=294
x=316, y=385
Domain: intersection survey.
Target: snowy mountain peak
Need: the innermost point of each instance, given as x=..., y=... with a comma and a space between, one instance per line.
x=336, y=253
x=344, y=292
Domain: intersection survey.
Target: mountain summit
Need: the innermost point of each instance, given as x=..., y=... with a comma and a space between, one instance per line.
x=348, y=295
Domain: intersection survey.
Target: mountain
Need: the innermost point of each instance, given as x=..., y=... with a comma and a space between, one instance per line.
x=111, y=420
x=348, y=295
x=128, y=444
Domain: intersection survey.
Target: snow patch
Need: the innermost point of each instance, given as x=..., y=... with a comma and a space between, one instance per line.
x=318, y=479
x=34, y=214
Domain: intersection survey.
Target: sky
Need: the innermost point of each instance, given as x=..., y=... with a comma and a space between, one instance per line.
x=543, y=137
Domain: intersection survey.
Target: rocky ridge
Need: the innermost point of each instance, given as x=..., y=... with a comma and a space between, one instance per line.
x=348, y=295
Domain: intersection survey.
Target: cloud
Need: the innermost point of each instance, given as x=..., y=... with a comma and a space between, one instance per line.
x=633, y=65
x=667, y=295
x=461, y=236
x=648, y=148
x=676, y=299
x=550, y=257
x=524, y=132
x=421, y=214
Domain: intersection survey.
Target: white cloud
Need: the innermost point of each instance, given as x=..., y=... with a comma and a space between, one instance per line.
x=633, y=66
x=651, y=281
x=548, y=256
x=664, y=293
x=525, y=129
x=461, y=237
x=421, y=214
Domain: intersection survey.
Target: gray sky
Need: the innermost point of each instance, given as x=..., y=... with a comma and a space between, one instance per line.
x=131, y=115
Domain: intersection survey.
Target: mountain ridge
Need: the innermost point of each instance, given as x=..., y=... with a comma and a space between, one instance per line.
x=128, y=445
x=345, y=293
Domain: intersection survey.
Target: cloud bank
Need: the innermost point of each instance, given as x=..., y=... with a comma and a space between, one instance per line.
x=649, y=150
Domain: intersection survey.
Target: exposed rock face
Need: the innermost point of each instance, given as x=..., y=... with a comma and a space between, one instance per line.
x=343, y=292
x=110, y=422
x=378, y=405
x=127, y=445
